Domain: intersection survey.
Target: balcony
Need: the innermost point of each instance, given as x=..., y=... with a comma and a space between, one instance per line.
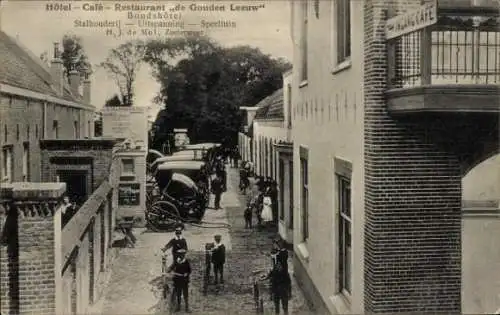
x=451, y=66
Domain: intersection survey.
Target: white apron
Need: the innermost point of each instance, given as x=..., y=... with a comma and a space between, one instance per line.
x=267, y=212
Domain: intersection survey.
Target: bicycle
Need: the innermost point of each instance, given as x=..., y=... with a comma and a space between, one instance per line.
x=167, y=296
x=258, y=276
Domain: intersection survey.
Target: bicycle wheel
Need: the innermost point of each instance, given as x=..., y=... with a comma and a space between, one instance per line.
x=162, y=216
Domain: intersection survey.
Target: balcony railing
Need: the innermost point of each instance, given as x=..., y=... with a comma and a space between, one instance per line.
x=461, y=48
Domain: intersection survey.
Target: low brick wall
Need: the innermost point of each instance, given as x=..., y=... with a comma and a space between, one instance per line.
x=48, y=268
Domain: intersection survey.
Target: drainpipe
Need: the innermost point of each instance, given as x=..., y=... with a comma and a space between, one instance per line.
x=44, y=122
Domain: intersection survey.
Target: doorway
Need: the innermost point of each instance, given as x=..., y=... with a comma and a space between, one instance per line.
x=76, y=185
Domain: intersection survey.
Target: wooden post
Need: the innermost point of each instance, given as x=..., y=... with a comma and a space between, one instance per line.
x=426, y=56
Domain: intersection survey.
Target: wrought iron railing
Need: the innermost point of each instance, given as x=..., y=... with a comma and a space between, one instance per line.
x=460, y=49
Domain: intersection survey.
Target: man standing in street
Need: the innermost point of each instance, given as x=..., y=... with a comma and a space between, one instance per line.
x=217, y=189
x=281, y=287
x=182, y=270
x=177, y=243
x=218, y=259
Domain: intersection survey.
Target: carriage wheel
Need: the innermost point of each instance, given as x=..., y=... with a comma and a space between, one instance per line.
x=162, y=216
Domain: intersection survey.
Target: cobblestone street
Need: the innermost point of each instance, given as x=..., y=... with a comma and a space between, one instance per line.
x=132, y=288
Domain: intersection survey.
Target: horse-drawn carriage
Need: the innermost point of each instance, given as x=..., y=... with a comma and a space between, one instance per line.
x=178, y=186
x=177, y=191
x=174, y=199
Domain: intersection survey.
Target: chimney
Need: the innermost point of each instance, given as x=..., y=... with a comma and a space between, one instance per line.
x=86, y=87
x=57, y=70
x=74, y=79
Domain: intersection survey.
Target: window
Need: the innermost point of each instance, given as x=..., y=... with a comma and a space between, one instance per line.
x=5, y=133
x=343, y=30
x=27, y=132
x=304, y=178
x=55, y=129
x=344, y=230
x=17, y=132
x=89, y=129
x=36, y=131
x=26, y=162
x=281, y=171
x=304, y=33
x=128, y=166
x=7, y=166
x=76, y=127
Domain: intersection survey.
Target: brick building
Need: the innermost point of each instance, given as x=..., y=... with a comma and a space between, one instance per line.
x=37, y=102
x=53, y=261
x=384, y=130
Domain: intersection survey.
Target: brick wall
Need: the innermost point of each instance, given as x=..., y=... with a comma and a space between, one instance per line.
x=9, y=263
x=47, y=265
x=36, y=272
x=412, y=198
x=70, y=155
x=26, y=114
x=32, y=275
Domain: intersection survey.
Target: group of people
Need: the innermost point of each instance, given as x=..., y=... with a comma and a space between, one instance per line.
x=181, y=266
x=263, y=202
x=231, y=155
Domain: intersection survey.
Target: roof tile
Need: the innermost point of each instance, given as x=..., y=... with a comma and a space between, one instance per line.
x=271, y=107
x=20, y=68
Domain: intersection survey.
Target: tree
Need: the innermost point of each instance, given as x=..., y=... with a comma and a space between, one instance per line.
x=73, y=55
x=205, y=88
x=113, y=102
x=122, y=64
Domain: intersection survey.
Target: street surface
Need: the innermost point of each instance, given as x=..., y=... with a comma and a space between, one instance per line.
x=132, y=287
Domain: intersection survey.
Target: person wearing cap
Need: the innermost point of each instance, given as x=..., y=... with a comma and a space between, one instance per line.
x=177, y=243
x=218, y=259
x=181, y=269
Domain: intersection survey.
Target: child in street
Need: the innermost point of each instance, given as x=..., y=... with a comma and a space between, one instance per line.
x=248, y=217
x=218, y=259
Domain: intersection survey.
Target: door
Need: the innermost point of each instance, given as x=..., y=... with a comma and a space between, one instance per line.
x=76, y=185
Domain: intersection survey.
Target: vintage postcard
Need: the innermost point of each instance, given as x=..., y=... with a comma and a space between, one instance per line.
x=249, y=157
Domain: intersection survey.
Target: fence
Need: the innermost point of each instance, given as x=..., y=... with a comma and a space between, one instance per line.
x=460, y=49
x=35, y=243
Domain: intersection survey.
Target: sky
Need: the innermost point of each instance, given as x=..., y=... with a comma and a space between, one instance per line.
x=37, y=29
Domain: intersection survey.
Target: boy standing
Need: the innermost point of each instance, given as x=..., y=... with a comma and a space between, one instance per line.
x=182, y=270
x=248, y=217
x=218, y=259
x=177, y=243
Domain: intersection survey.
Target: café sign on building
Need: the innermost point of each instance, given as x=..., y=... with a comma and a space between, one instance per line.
x=411, y=21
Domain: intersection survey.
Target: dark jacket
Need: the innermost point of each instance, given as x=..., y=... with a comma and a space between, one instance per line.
x=281, y=283
x=281, y=257
x=180, y=268
x=176, y=244
x=248, y=212
x=217, y=185
x=219, y=255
